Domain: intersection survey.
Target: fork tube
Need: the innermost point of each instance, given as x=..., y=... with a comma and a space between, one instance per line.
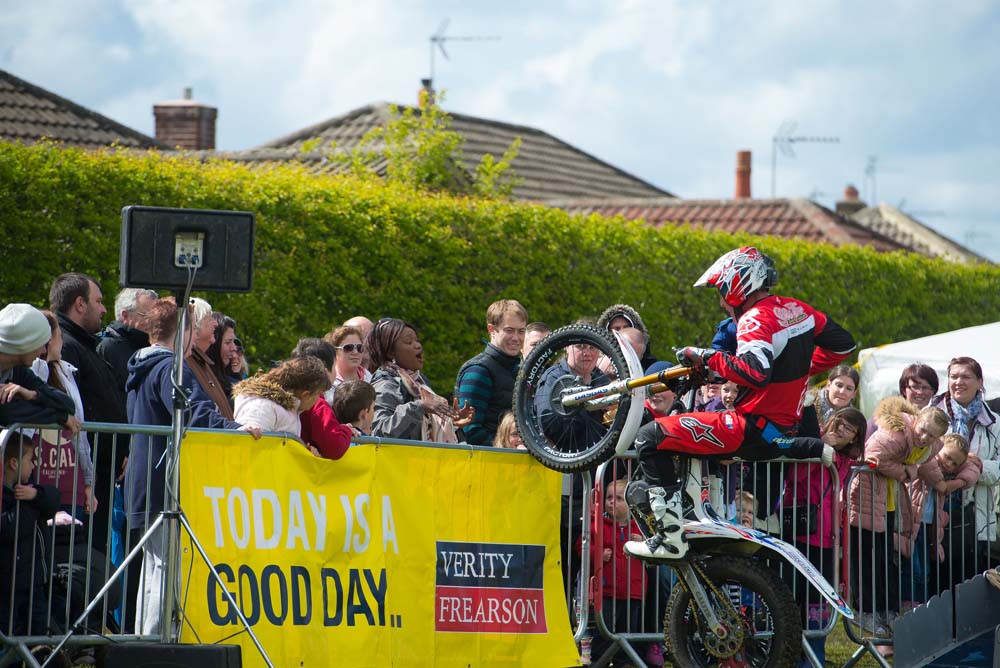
x=686, y=573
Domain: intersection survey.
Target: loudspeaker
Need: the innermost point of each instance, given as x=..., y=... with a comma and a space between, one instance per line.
x=161, y=246
x=153, y=655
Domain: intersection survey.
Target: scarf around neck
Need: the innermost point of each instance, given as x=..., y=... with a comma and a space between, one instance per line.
x=432, y=427
x=962, y=417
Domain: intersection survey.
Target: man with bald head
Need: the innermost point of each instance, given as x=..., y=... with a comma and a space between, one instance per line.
x=365, y=325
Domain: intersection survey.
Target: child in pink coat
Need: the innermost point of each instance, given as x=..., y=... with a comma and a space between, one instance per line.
x=880, y=501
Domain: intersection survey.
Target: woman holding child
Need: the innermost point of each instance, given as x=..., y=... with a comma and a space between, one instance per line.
x=272, y=401
x=972, y=418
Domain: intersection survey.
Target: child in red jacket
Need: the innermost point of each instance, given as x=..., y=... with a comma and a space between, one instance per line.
x=618, y=580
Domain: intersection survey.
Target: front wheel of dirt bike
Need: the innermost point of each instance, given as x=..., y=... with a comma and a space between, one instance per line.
x=749, y=599
x=570, y=438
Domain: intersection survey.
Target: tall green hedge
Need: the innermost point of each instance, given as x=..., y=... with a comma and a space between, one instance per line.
x=328, y=248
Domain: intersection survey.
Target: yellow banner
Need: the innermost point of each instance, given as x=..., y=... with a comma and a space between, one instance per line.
x=393, y=556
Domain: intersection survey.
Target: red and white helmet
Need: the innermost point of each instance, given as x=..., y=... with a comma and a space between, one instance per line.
x=738, y=274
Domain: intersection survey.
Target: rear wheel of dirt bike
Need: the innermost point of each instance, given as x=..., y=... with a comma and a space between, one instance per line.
x=570, y=438
x=748, y=598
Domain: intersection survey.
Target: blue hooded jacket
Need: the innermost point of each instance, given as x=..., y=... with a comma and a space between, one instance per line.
x=150, y=402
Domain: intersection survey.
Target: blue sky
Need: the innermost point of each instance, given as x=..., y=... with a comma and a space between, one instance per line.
x=665, y=89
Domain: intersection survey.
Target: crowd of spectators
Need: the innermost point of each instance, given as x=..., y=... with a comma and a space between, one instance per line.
x=935, y=456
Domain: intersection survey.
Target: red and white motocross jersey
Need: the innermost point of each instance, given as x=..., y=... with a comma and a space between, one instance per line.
x=780, y=343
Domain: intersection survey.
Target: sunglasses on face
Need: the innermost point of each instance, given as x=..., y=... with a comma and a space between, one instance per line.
x=352, y=347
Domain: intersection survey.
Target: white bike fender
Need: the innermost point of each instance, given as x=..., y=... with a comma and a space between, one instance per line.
x=635, y=409
x=709, y=528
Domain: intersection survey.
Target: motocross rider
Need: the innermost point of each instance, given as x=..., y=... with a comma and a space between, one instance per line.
x=781, y=342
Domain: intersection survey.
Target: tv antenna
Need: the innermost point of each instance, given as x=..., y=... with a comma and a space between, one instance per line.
x=783, y=141
x=439, y=38
x=871, y=179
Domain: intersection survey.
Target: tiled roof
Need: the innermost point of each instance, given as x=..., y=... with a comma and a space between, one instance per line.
x=903, y=228
x=29, y=113
x=790, y=218
x=548, y=167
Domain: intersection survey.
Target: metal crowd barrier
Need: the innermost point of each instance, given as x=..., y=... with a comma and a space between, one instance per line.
x=768, y=491
x=65, y=569
x=73, y=552
x=899, y=570
x=82, y=557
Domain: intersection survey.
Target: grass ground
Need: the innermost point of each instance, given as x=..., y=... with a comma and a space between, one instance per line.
x=839, y=648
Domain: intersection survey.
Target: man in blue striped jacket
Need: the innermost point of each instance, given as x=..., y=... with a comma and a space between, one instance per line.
x=486, y=382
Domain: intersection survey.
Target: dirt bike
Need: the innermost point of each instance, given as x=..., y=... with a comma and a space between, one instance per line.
x=730, y=608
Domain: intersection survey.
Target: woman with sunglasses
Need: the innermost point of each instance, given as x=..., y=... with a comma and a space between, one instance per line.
x=350, y=353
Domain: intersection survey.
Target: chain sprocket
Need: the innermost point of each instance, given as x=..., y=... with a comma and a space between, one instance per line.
x=720, y=648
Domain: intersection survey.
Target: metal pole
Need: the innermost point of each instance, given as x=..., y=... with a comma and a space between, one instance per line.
x=222, y=586
x=774, y=166
x=171, y=505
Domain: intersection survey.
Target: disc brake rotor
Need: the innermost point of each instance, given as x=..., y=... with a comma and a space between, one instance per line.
x=562, y=386
x=728, y=646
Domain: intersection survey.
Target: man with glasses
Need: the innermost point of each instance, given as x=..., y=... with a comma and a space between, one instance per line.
x=123, y=337
x=486, y=382
x=578, y=368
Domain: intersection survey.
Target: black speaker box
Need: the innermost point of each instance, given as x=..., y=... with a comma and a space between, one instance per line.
x=153, y=655
x=158, y=248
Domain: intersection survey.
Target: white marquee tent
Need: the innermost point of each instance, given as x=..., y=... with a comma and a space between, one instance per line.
x=881, y=367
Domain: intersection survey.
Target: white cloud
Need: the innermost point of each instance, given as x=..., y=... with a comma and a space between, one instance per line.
x=666, y=89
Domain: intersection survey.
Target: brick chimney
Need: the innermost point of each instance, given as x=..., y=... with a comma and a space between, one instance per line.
x=851, y=203
x=185, y=123
x=742, y=175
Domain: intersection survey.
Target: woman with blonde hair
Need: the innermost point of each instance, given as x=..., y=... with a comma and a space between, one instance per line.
x=348, y=342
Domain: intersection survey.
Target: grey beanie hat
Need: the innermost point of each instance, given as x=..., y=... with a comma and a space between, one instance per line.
x=23, y=329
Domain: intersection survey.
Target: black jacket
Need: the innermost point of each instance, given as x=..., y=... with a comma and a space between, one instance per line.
x=103, y=396
x=51, y=406
x=117, y=345
x=486, y=382
x=22, y=558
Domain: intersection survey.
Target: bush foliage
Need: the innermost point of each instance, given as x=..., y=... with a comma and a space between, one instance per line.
x=328, y=248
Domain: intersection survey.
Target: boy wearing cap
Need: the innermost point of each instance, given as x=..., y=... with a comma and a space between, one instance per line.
x=24, y=397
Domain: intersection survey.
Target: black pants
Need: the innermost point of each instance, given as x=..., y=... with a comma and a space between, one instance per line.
x=620, y=616
x=877, y=574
